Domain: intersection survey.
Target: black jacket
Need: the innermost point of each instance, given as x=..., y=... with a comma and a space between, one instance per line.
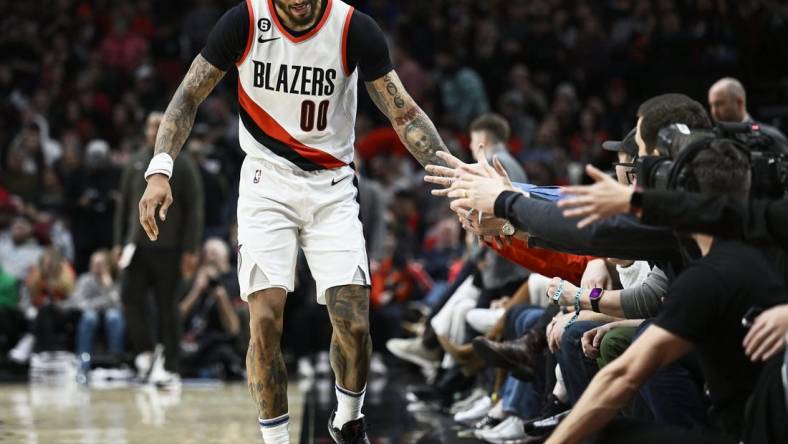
x=759, y=221
x=623, y=237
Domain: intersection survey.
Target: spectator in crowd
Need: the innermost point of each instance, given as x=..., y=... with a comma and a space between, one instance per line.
x=96, y=296
x=12, y=321
x=489, y=134
x=211, y=324
x=157, y=267
x=696, y=315
x=46, y=304
x=461, y=88
x=92, y=191
x=19, y=250
x=214, y=183
x=728, y=103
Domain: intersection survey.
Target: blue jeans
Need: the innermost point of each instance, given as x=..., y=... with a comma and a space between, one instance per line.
x=522, y=398
x=672, y=394
x=114, y=327
x=433, y=298
x=576, y=368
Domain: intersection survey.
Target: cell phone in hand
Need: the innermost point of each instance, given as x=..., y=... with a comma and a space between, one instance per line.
x=750, y=316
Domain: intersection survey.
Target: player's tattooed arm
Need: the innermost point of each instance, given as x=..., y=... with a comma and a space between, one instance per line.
x=410, y=122
x=179, y=116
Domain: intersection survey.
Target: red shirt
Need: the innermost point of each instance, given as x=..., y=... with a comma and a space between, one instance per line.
x=545, y=262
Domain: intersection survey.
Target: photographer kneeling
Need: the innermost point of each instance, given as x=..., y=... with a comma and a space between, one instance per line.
x=211, y=324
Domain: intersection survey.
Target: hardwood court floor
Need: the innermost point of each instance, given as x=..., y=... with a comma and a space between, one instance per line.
x=71, y=414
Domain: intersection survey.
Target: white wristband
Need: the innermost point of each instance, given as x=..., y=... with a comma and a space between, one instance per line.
x=160, y=164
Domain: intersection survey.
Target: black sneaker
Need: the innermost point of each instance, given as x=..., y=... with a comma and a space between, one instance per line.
x=353, y=432
x=552, y=413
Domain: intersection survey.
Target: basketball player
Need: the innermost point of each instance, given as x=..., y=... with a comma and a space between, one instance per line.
x=298, y=62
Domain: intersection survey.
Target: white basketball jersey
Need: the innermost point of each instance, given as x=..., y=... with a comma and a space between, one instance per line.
x=297, y=95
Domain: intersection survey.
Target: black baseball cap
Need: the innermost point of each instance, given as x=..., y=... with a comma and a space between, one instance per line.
x=627, y=145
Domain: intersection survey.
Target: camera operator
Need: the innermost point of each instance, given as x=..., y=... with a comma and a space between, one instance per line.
x=728, y=103
x=704, y=308
x=211, y=324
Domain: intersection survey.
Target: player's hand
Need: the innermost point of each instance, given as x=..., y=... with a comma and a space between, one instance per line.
x=594, y=202
x=480, y=191
x=158, y=192
x=768, y=333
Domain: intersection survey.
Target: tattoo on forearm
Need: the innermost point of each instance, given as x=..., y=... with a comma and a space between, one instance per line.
x=413, y=126
x=393, y=91
x=423, y=140
x=351, y=345
x=408, y=116
x=179, y=116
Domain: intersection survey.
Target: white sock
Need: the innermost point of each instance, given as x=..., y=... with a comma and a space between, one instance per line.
x=275, y=430
x=348, y=405
x=559, y=391
x=497, y=411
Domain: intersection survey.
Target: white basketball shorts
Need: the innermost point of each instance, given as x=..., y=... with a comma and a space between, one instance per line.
x=281, y=209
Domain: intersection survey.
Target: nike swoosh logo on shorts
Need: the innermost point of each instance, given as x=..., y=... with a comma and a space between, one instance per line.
x=262, y=40
x=335, y=181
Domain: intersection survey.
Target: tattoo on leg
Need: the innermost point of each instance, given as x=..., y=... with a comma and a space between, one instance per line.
x=351, y=345
x=267, y=377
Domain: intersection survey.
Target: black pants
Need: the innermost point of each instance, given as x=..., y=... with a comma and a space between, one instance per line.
x=54, y=328
x=13, y=326
x=627, y=431
x=157, y=270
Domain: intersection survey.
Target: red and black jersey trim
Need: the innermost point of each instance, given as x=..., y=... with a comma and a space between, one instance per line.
x=273, y=136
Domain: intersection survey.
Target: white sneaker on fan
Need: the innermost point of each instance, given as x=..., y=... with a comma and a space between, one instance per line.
x=510, y=429
x=477, y=411
x=23, y=349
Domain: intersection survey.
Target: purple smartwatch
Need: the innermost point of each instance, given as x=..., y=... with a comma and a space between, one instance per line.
x=595, y=295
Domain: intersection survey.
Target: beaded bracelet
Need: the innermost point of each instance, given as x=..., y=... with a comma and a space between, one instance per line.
x=558, y=291
x=577, y=307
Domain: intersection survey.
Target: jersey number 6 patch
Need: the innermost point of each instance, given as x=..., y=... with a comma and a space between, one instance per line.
x=308, y=115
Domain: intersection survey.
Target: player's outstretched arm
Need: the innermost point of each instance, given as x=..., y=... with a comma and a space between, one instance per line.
x=409, y=121
x=176, y=124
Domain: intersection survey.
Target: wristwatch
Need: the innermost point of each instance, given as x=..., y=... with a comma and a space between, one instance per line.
x=595, y=295
x=508, y=229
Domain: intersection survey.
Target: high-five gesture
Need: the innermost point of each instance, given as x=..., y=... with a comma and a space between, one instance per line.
x=595, y=202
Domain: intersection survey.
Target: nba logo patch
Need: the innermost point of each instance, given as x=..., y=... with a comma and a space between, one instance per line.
x=257, y=174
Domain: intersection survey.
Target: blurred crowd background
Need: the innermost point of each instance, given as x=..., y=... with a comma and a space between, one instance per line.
x=78, y=79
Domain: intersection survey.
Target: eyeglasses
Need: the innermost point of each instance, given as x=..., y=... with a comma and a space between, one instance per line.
x=630, y=171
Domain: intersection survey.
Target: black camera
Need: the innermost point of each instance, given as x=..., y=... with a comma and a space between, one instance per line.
x=768, y=162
